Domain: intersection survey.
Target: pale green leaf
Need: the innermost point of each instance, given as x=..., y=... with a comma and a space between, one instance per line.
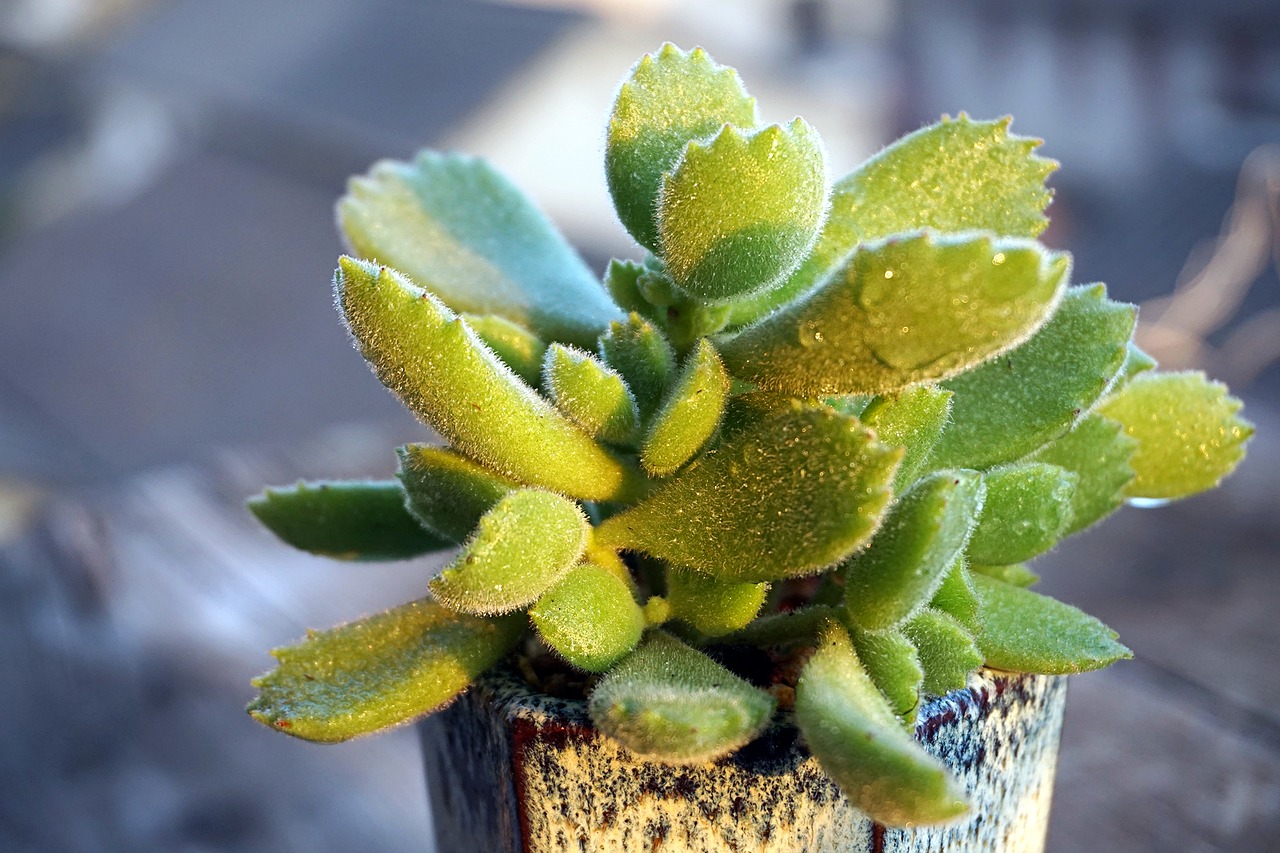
x=670, y=98
x=957, y=175
x=713, y=607
x=1027, y=511
x=447, y=492
x=912, y=420
x=380, y=671
x=790, y=495
x=1022, y=631
x=947, y=650
x=741, y=211
x=1188, y=430
x=525, y=544
x=519, y=349
x=911, y=309
x=1097, y=451
x=1010, y=407
x=690, y=414
x=621, y=280
x=670, y=703
x=852, y=731
x=637, y=350
x=462, y=231
x=893, y=664
x=434, y=362
x=1135, y=362
x=593, y=395
x=355, y=520
x=1016, y=574
x=909, y=557
x=589, y=618
x=956, y=595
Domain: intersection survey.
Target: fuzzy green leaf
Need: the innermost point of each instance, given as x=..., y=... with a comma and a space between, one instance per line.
x=956, y=595
x=1010, y=407
x=851, y=729
x=378, y=672
x=519, y=349
x=670, y=98
x=947, y=651
x=459, y=229
x=1027, y=511
x=358, y=520
x=1097, y=451
x=1016, y=574
x=742, y=210
x=904, y=566
x=643, y=357
x=1135, y=362
x=670, y=703
x=912, y=420
x=711, y=606
x=690, y=414
x=1022, y=631
x=593, y=395
x=1188, y=432
x=621, y=279
x=790, y=495
x=434, y=362
x=891, y=661
x=589, y=618
x=957, y=175
x=447, y=492
x=911, y=309
x=522, y=547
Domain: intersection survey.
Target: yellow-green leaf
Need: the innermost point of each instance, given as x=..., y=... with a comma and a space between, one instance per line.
x=461, y=230
x=690, y=414
x=911, y=309
x=519, y=349
x=1097, y=451
x=446, y=491
x=434, y=362
x=355, y=520
x=740, y=211
x=912, y=420
x=592, y=394
x=713, y=607
x=670, y=703
x=525, y=544
x=1188, y=430
x=790, y=495
x=853, y=732
x=380, y=671
x=589, y=618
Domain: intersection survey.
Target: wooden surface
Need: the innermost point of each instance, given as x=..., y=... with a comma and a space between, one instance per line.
x=135, y=616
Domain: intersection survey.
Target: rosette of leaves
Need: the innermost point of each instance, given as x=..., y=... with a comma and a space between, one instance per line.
x=884, y=383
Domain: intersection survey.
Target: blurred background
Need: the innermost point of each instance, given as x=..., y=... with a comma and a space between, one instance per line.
x=168, y=346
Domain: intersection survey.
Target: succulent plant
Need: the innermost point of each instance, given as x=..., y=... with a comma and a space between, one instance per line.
x=828, y=420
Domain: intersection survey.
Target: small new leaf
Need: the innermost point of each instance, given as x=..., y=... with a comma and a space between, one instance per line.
x=947, y=650
x=956, y=595
x=1022, y=631
x=446, y=491
x=1027, y=511
x=643, y=357
x=461, y=230
x=1032, y=395
x=790, y=495
x=593, y=395
x=905, y=564
x=740, y=212
x=670, y=98
x=690, y=414
x=908, y=310
x=589, y=618
x=519, y=349
x=893, y=664
x=852, y=731
x=434, y=362
x=378, y=672
x=1188, y=430
x=713, y=607
x=522, y=547
x=670, y=703
x=358, y=520
x=912, y=420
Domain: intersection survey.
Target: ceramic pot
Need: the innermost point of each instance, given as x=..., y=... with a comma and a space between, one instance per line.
x=509, y=769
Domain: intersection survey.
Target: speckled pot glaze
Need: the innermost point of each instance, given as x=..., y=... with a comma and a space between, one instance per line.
x=512, y=770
